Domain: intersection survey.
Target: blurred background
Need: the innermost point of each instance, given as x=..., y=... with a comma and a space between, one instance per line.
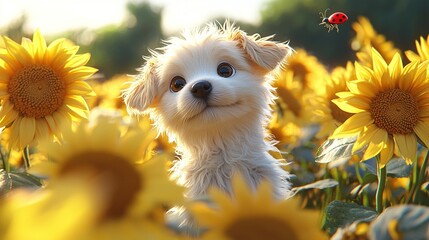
x=119, y=32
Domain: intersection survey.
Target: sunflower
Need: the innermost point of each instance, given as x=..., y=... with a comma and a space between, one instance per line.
x=65, y=211
x=307, y=71
x=293, y=109
x=109, y=92
x=256, y=216
x=422, y=51
x=390, y=106
x=366, y=39
x=134, y=187
x=326, y=112
x=41, y=88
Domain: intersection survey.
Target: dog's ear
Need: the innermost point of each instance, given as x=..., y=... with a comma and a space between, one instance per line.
x=142, y=92
x=262, y=51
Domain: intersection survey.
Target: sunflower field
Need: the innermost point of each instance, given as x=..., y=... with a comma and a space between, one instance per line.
x=75, y=165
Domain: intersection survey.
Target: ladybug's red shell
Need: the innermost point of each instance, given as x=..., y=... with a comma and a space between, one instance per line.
x=337, y=18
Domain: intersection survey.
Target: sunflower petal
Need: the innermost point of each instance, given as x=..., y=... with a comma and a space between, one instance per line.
x=407, y=146
x=18, y=52
x=76, y=102
x=412, y=56
x=7, y=114
x=354, y=124
x=39, y=45
x=80, y=73
x=80, y=88
x=42, y=129
x=372, y=150
x=395, y=67
x=362, y=73
x=351, y=104
x=422, y=132
x=78, y=60
x=27, y=131
x=408, y=74
x=386, y=153
x=378, y=64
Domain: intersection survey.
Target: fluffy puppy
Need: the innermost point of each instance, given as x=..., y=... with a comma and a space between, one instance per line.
x=210, y=92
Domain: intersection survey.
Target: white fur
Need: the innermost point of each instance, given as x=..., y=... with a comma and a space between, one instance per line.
x=225, y=134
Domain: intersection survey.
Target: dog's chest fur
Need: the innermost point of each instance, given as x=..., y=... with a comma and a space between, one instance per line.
x=213, y=160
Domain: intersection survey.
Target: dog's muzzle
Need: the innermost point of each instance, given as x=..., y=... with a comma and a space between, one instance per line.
x=201, y=89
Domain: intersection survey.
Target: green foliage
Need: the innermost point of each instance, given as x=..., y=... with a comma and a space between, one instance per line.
x=298, y=20
x=339, y=214
x=119, y=50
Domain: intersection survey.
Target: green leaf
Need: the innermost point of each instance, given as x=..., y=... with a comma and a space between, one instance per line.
x=340, y=214
x=338, y=149
x=413, y=223
x=396, y=167
x=322, y=184
x=26, y=180
x=5, y=182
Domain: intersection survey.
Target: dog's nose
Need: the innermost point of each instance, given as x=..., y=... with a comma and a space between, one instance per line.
x=201, y=89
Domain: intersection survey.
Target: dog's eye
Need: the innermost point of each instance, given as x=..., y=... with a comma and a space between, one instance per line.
x=225, y=70
x=177, y=83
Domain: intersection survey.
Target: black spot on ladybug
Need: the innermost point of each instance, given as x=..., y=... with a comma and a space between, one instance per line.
x=343, y=17
x=336, y=15
x=340, y=20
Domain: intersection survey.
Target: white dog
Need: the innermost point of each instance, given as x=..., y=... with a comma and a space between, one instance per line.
x=210, y=92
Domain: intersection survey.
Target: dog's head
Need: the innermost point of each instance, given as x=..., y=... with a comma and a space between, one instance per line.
x=212, y=79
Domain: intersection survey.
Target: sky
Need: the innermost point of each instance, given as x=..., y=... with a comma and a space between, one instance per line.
x=56, y=16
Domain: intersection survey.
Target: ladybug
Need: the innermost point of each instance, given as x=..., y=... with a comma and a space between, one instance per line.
x=334, y=20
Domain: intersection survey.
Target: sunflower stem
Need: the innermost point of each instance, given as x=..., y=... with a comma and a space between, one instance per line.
x=421, y=177
x=26, y=156
x=382, y=175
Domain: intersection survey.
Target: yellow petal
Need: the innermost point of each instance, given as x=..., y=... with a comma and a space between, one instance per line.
x=79, y=88
x=378, y=64
x=42, y=129
x=363, y=88
x=51, y=123
x=408, y=74
x=365, y=136
x=344, y=104
x=76, y=102
x=412, y=56
x=7, y=114
x=345, y=94
x=53, y=51
x=354, y=124
x=39, y=45
x=18, y=52
x=76, y=113
x=422, y=131
x=27, y=130
x=372, y=150
x=362, y=73
x=78, y=60
x=28, y=44
x=386, y=153
x=395, y=67
x=80, y=73
x=407, y=146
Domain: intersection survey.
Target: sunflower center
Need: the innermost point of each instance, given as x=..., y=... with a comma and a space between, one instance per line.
x=119, y=175
x=337, y=113
x=257, y=228
x=395, y=111
x=300, y=71
x=36, y=91
x=291, y=102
